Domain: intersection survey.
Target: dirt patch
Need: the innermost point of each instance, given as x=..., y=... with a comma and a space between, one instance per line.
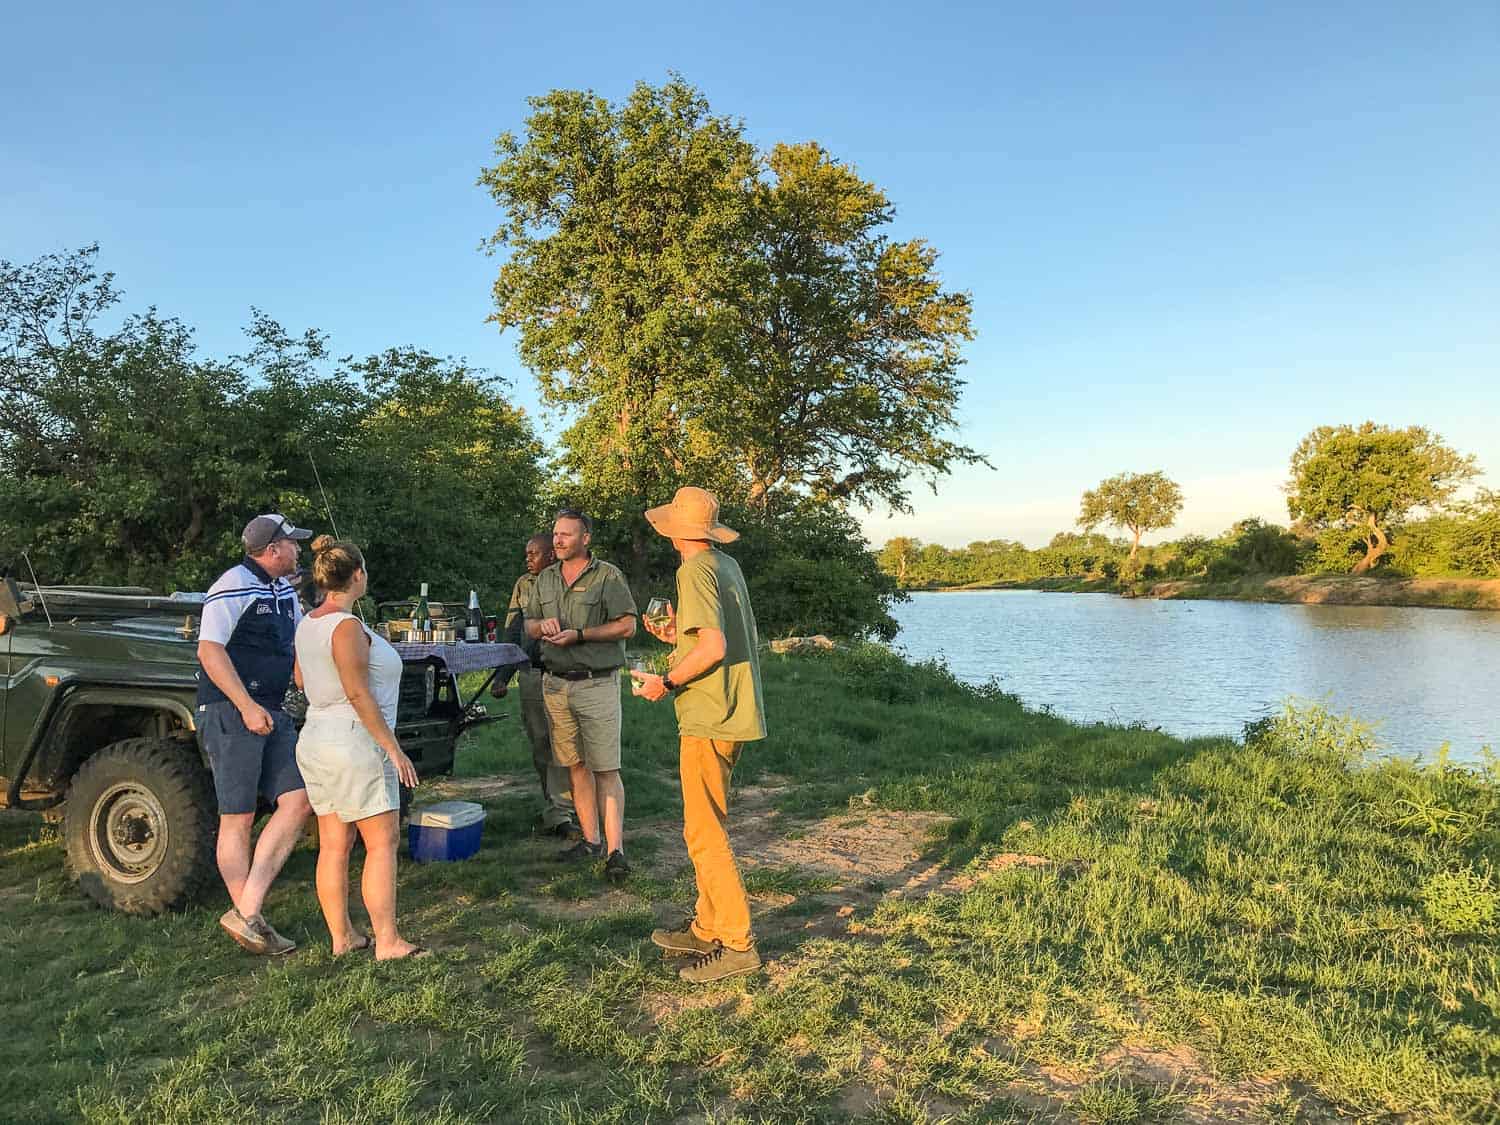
x=479, y=789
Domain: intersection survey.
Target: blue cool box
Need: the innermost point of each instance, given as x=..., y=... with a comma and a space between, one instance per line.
x=446, y=831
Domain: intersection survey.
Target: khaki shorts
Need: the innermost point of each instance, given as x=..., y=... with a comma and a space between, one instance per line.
x=583, y=717
x=346, y=771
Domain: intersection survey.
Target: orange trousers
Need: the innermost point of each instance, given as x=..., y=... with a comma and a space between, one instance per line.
x=723, y=910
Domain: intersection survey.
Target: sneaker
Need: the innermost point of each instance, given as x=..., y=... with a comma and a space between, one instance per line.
x=567, y=830
x=616, y=867
x=581, y=851
x=681, y=942
x=720, y=963
x=276, y=945
x=243, y=932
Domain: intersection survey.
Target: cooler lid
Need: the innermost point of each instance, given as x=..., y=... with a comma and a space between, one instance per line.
x=448, y=814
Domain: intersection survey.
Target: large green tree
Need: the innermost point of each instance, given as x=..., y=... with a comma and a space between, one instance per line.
x=840, y=372
x=1137, y=502
x=619, y=228
x=1367, y=478
x=707, y=314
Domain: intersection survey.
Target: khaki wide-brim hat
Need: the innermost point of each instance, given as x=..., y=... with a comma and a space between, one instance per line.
x=692, y=514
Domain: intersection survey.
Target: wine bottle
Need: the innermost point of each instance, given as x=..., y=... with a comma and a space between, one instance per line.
x=471, y=631
x=423, y=616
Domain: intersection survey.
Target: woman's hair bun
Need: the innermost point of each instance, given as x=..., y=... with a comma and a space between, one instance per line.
x=335, y=562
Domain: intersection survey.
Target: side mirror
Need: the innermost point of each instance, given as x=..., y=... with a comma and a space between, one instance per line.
x=5, y=620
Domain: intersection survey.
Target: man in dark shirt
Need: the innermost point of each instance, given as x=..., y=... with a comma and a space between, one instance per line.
x=245, y=655
x=557, y=788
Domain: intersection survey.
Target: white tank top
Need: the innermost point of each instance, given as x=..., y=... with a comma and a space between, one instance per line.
x=320, y=676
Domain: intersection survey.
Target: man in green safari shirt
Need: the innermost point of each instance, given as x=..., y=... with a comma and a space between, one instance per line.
x=715, y=682
x=581, y=611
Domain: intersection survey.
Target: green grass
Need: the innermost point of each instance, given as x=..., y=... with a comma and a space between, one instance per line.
x=1273, y=910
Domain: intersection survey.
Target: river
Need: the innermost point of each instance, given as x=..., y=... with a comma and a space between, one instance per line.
x=1425, y=676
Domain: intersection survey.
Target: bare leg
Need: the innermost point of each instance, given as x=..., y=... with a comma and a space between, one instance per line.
x=611, y=792
x=233, y=853
x=585, y=801
x=379, y=885
x=276, y=841
x=335, y=838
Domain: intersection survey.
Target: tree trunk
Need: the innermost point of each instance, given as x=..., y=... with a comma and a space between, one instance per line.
x=637, y=574
x=1376, y=544
x=1136, y=546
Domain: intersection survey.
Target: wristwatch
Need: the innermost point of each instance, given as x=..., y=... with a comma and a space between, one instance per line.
x=666, y=682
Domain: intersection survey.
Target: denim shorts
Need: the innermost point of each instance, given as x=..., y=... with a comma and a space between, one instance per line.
x=246, y=765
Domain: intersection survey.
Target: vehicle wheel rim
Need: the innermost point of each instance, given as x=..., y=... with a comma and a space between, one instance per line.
x=128, y=832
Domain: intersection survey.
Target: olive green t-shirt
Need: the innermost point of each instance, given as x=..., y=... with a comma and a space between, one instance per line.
x=597, y=596
x=725, y=702
x=514, y=630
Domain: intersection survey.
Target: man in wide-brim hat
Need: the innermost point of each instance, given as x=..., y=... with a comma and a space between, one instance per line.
x=715, y=685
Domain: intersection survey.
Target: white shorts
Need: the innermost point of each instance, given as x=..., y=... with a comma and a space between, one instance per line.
x=344, y=770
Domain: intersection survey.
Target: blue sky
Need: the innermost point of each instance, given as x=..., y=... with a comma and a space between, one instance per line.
x=1192, y=231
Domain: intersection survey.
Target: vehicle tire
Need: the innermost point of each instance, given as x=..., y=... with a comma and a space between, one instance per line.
x=141, y=824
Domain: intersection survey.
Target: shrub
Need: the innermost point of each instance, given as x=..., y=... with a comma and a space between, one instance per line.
x=1461, y=902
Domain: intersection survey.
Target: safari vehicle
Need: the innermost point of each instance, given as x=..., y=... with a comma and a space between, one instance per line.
x=98, y=687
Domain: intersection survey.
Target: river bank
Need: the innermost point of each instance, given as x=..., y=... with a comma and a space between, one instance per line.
x=968, y=910
x=1295, y=589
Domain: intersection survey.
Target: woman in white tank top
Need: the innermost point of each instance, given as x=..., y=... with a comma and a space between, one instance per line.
x=347, y=751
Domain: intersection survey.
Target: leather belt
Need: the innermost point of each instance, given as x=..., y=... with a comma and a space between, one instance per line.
x=577, y=674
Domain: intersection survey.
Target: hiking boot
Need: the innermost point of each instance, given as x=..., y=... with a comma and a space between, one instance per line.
x=583, y=850
x=680, y=943
x=720, y=963
x=565, y=830
x=246, y=935
x=616, y=867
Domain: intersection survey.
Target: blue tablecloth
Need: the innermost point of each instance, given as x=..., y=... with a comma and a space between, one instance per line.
x=465, y=657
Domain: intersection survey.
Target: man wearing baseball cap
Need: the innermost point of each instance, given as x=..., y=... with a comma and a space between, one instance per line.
x=245, y=656
x=715, y=682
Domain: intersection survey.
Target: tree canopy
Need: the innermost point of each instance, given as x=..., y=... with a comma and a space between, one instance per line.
x=706, y=313
x=1367, y=478
x=1137, y=502
x=126, y=457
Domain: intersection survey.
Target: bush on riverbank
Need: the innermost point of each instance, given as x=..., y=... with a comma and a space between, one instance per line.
x=1463, y=543
x=1103, y=917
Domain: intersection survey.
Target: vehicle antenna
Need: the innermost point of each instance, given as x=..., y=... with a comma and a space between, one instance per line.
x=328, y=511
x=327, y=507
x=37, y=586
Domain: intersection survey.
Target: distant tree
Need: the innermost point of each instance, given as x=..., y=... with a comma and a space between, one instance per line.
x=1137, y=502
x=1368, y=478
x=898, y=555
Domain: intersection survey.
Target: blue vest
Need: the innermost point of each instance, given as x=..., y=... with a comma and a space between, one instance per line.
x=255, y=618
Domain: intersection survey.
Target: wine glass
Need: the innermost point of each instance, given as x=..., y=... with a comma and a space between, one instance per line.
x=637, y=664
x=656, y=612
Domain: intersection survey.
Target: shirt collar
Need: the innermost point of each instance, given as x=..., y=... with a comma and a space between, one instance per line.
x=256, y=569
